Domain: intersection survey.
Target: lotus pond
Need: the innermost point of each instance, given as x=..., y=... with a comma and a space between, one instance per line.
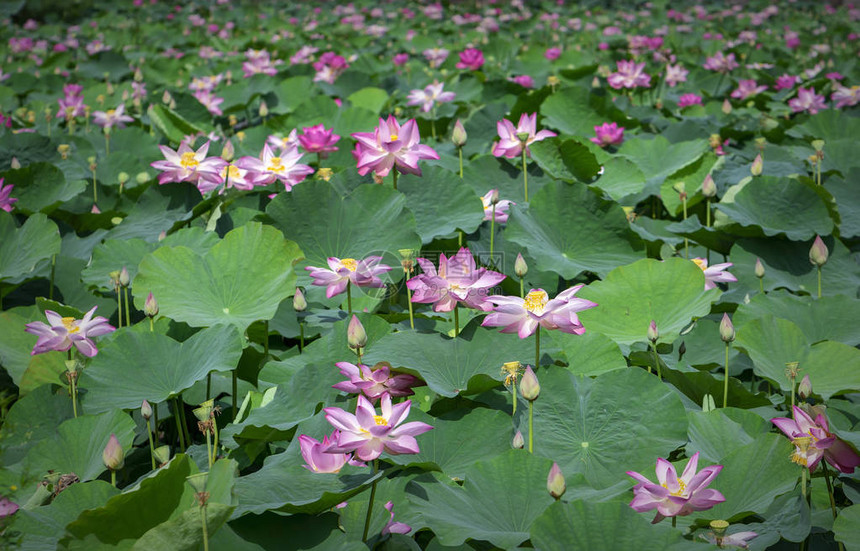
x=399, y=275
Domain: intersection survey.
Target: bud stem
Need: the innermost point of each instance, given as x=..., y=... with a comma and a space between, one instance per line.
x=456, y=320
x=151, y=443
x=409, y=302
x=179, y=429
x=349, y=283
x=819, y=281
x=525, y=175
x=537, y=347
x=118, y=308
x=113, y=478
x=302, y=334
x=370, y=502
x=493, y=232
x=656, y=360
x=707, y=212
x=522, y=291
x=127, y=308
x=726, y=382
x=460, y=154
x=531, y=426
x=514, y=383
x=394, y=176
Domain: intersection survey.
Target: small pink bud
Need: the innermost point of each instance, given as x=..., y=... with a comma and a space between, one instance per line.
x=818, y=254
x=653, y=333
x=529, y=385
x=555, y=482
x=804, y=389
x=757, y=165
x=459, y=136
x=727, y=330
x=113, y=457
x=709, y=188
x=520, y=266
x=146, y=410
x=759, y=268
x=124, y=278
x=299, y=302
x=518, y=442
x=356, y=337
x=150, y=306
x=228, y=152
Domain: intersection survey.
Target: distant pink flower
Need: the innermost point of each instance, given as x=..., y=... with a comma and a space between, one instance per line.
x=747, y=88
x=209, y=101
x=429, y=96
x=807, y=100
x=785, y=82
x=714, y=274
x=629, y=75
x=509, y=144
x=501, y=206
x=835, y=75
x=821, y=443
x=281, y=144
x=316, y=139
x=392, y=146
x=524, y=316
x=373, y=383
x=329, y=66
x=608, y=134
x=721, y=63
x=6, y=201
x=673, y=495
x=72, y=103
x=471, y=58
x=303, y=56
x=552, y=53
x=270, y=168
x=400, y=59
x=738, y=539
x=675, y=74
x=316, y=459
x=457, y=280
x=435, y=56
x=687, y=100
x=524, y=80
x=258, y=62
x=392, y=527
x=62, y=333
x=792, y=39
x=9, y=508
x=845, y=97
x=187, y=165
x=361, y=273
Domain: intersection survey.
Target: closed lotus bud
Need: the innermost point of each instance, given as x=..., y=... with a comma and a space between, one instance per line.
x=520, y=266
x=15, y=164
x=727, y=330
x=757, y=165
x=459, y=136
x=759, y=268
x=518, y=442
x=727, y=106
x=166, y=97
x=555, y=484
x=150, y=306
x=146, y=410
x=112, y=455
x=494, y=196
x=142, y=177
x=299, y=302
x=529, y=385
x=228, y=151
x=804, y=389
x=355, y=334
x=122, y=178
x=162, y=236
x=124, y=278
x=709, y=188
x=818, y=253
x=264, y=109
x=653, y=333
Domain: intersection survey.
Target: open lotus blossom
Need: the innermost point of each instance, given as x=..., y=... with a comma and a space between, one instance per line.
x=316, y=139
x=501, y=206
x=510, y=145
x=392, y=527
x=7, y=507
x=844, y=96
x=429, y=96
x=608, y=134
x=6, y=201
x=210, y=101
x=721, y=63
x=392, y=146
x=813, y=440
x=315, y=456
x=785, y=82
x=747, y=88
x=111, y=117
x=362, y=273
x=807, y=100
x=673, y=495
x=687, y=100
x=457, y=280
x=738, y=539
x=187, y=165
x=524, y=316
x=435, y=56
x=63, y=332
x=283, y=167
x=282, y=143
x=231, y=176
x=715, y=274
x=675, y=74
x=369, y=434
x=373, y=383
x=471, y=58
x=629, y=75
x=71, y=105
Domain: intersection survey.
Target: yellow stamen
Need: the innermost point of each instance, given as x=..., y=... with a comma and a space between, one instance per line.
x=535, y=302
x=349, y=263
x=380, y=420
x=111, y=112
x=700, y=263
x=682, y=488
x=69, y=324
x=275, y=165
x=231, y=171
x=394, y=137
x=189, y=161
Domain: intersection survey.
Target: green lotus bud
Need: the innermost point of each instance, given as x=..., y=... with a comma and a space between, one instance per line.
x=709, y=188
x=555, y=484
x=356, y=337
x=757, y=166
x=113, y=457
x=264, y=109
x=146, y=410
x=818, y=253
x=653, y=333
x=459, y=136
x=520, y=266
x=150, y=306
x=299, y=302
x=759, y=268
x=124, y=278
x=529, y=385
x=727, y=106
x=727, y=330
x=15, y=164
x=518, y=442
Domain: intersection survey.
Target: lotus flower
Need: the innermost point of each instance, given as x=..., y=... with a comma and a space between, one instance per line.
x=457, y=280
x=510, y=145
x=501, y=206
x=721, y=63
x=807, y=100
x=390, y=146
x=362, y=273
x=844, y=96
x=673, y=495
x=316, y=459
x=715, y=274
x=786, y=82
x=111, y=117
x=608, y=134
x=471, y=58
x=392, y=527
x=270, y=168
x=187, y=165
x=675, y=74
x=282, y=144
x=428, y=97
x=6, y=201
x=821, y=442
x=687, y=100
x=523, y=316
x=747, y=88
x=7, y=508
x=369, y=434
x=375, y=382
x=316, y=139
x=629, y=75
x=68, y=331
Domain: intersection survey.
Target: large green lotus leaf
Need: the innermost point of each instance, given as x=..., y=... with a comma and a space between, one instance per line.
x=601, y=427
x=828, y=318
x=572, y=111
x=771, y=204
x=33, y=418
x=704, y=348
x=787, y=265
x=442, y=203
x=565, y=160
x=487, y=172
x=716, y=433
x=846, y=527
x=589, y=354
x=272, y=532
x=152, y=214
x=772, y=343
x=621, y=178
x=78, y=444
x=155, y=366
x=696, y=385
x=586, y=526
x=16, y=344
x=752, y=476
x=21, y=249
x=833, y=368
x=74, y=293
x=41, y=187
x=828, y=125
x=468, y=364
x=690, y=179
x=457, y=440
x=847, y=196
x=370, y=220
x=170, y=123
x=658, y=158
x=183, y=533
x=498, y=502
x=671, y=292
x=240, y=280
x=369, y=98
x=569, y=230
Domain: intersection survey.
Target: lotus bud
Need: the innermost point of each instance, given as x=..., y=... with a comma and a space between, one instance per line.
x=162, y=454
x=522, y=136
x=355, y=334
x=95, y=210
x=124, y=278
x=681, y=188
x=520, y=266
x=299, y=302
x=459, y=136
x=757, y=165
x=818, y=253
x=146, y=410
x=727, y=106
x=15, y=164
x=759, y=268
x=804, y=389
x=122, y=178
x=112, y=455
x=166, y=97
x=228, y=152
x=555, y=482
x=727, y=330
x=142, y=177
x=709, y=188
x=150, y=306
x=162, y=236
x=653, y=333
x=529, y=385
x=518, y=442
x=264, y=109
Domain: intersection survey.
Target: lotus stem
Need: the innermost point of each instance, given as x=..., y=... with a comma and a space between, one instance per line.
x=127, y=308
x=53, y=269
x=349, y=285
x=113, y=478
x=531, y=426
x=460, y=154
x=726, y=381
x=394, y=176
x=178, y=419
x=761, y=285
x=151, y=325
x=155, y=421
x=819, y=281
x=656, y=360
x=537, y=347
x=95, y=188
x=708, y=212
x=514, y=383
x=151, y=443
x=803, y=482
x=411, y=315
x=522, y=291
x=73, y=391
x=370, y=503
x=107, y=144
x=118, y=308
x=302, y=336
x=492, y=231
x=208, y=385
x=209, y=448
x=525, y=175
x=674, y=521
x=456, y=320
x=686, y=240
x=215, y=443
x=235, y=392
x=205, y=528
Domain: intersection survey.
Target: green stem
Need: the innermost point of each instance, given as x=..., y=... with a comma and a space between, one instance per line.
x=188, y=439
x=118, y=308
x=726, y=381
x=803, y=473
x=178, y=418
x=460, y=154
x=151, y=443
x=456, y=320
x=522, y=291
x=531, y=426
x=205, y=529
x=74, y=395
x=708, y=212
x=411, y=315
x=394, y=176
x=819, y=282
x=208, y=385
x=829, y=488
x=235, y=392
x=460, y=238
x=349, y=297
x=127, y=307
x=155, y=421
x=515, y=395
x=686, y=241
x=113, y=478
x=525, y=175
x=215, y=443
x=151, y=325
x=656, y=360
x=209, y=448
x=95, y=189
x=674, y=521
x=370, y=503
x=492, y=231
x=107, y=144
x=537, y=347
x=301, y=336
x=792, y=394
x=761, y=285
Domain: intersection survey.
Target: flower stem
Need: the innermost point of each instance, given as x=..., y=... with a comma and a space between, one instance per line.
x=726, y=381
x=208, y=385
x=708, y=212
x=522, y=291
x=531, y=426
x=176, y=416
x=301, y=336
x=456, y=320
x=819, y=282
x=514, y=383
x=349, y=295
x=411, y=315
x=394, y=176
x=118, y=308
x=829, y=488
x=127, y=308
x=656, y=360
x=686, y=241
x=205, y=528
x=803, y=473
x=113, y=478
x=95, y=189
x=537, y=347
x=460, y=154
x=151, y=443
x=492, y=231
x=525, y=176
x=209, y=448
x=74, y=390
x=674, y=521
x=761, y=285
x=370, y=503
x=151, y=325
x=107, y=144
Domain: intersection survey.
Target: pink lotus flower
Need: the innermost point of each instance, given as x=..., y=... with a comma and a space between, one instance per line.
x=721, y=63
x=844, y=96
x=68, y=331
x=501, y=206
x=6, y=201
x=608, y=134
x=362, y=273
x=316, y=139
x=785, y=82
x=400, y=59
x=629, y=75
x=524, y=80
x=807, y=100
x=428, y=97
x=510, y=145
x=676, y=74
x=231, y=176
x=111, y=117
x=329, y=66
x=315, y=456
x=821, y=443
x=281, y=144
x=715, y=274
x=7, y=508
x=436, y=56
x=373, y=383
x=72, y=103
x=392, y=527
x=457, y=280
x=747, y=88
x=687, y=100
x=187, y=165
x=673, y=495
x=270, y=168
x=392, y=146
x=738, y=539
x=523, y=316
x=471, y=58
x=210, y=102
x=369, y=434
x=552, y=53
